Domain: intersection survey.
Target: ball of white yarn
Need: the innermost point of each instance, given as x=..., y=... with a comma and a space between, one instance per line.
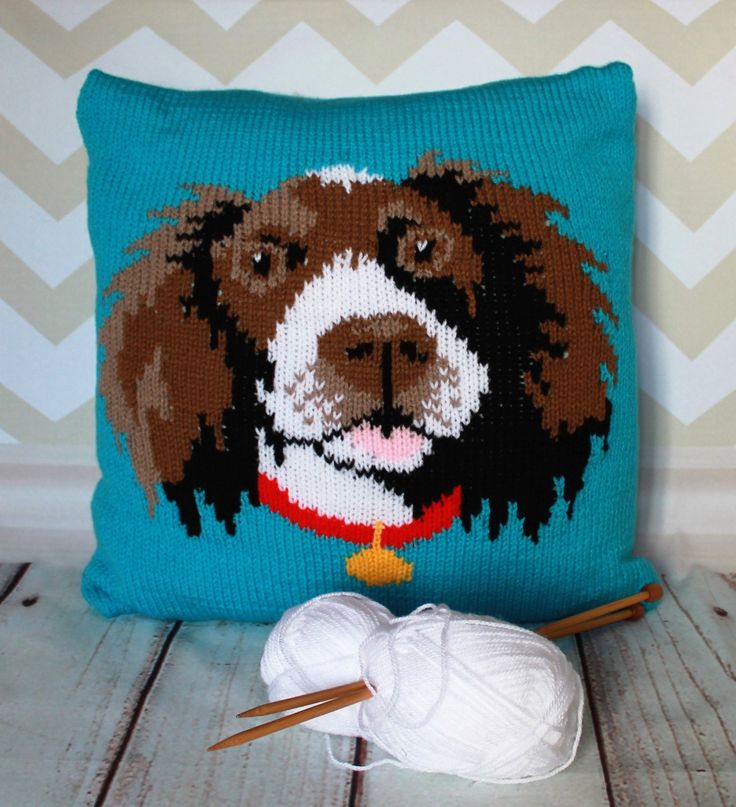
x=452, y=693
x=471, y=696
x=315, y=646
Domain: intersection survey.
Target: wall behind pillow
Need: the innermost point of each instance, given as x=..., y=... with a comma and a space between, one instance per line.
x=684, y=62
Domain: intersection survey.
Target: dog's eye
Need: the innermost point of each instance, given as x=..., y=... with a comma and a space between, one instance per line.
x=273, y=257
x=423, y=251
x=261, y=263
x=295, y=254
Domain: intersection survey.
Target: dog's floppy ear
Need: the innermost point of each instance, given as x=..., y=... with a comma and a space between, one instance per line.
x=164, y=375
x=540, y=321
x=565, y=384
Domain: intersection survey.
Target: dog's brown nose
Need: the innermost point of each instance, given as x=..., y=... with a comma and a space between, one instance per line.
x=380, y=356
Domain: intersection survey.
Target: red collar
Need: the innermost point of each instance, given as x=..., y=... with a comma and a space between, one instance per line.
x=437, y=517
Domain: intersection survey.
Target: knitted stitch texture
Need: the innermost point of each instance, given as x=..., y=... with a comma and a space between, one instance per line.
x=380, y=345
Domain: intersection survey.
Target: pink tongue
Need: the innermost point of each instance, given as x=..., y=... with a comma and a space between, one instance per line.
x=401, y=444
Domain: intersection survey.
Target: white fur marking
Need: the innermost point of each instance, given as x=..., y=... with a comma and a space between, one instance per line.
x=310, y=481
x=344, y=175
x=341, y=292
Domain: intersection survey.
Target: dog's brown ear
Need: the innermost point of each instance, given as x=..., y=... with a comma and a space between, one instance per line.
x=566, y=386
x=163, y=376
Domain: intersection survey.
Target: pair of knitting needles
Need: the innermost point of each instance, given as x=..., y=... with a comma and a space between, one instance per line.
x=330, y=700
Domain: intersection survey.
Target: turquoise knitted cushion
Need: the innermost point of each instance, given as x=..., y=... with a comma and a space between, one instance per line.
x=371, y=344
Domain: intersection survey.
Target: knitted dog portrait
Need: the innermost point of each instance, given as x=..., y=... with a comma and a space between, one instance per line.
x=350, y=350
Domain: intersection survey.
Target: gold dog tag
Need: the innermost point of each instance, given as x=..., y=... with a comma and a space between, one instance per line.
x=378, y=566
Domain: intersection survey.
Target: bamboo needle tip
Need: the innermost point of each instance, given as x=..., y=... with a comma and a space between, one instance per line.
x=219, y=746
x=323, y=708
x=655, y=592
x=303, y=700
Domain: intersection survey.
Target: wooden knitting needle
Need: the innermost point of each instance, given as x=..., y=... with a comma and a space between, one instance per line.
x=632, y=613
x=650, y=593
x=302, y=700
x=292, y=719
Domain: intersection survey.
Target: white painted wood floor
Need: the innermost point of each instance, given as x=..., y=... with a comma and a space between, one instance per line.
x=120, y=712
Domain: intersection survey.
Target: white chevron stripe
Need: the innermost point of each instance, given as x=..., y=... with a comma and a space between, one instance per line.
x=145, y=56
x=532, y=10
x=53, y=249
x=54, y=379
x=378, y=11
x=6, y=439
x=685, y=11
x=690, y=116
x=319, y=69
x=226, y=14
x=472, y=62
x=687, y=388
x=70, y=13
x=323, y=71
x=689, y=255
x=48, y=119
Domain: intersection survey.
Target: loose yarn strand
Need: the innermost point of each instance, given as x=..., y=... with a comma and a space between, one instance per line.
x=351, y=766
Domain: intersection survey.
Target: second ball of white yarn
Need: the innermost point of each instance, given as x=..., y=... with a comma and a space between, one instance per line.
x=471, y=696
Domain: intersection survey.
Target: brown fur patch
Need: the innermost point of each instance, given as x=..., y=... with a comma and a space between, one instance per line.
x=151, y=348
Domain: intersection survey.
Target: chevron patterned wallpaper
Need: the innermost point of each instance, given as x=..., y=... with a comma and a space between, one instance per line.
x=683, y=56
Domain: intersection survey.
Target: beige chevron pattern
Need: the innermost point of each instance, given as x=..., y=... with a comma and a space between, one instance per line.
x=692, y=189
x=55, y=313
x=534, y=48
x=684, y=58
x=669, y=304
x=58, y=189
x=715, y=428
x=30, y=426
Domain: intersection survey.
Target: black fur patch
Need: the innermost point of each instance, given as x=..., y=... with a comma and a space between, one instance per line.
x=222, y=476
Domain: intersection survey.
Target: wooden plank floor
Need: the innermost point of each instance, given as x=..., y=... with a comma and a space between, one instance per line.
x=119, y=712
x=664, y=695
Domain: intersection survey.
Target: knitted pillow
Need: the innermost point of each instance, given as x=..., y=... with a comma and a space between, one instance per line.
x=372, y=344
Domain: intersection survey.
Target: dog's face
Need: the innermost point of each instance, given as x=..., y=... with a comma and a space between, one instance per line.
x=364, y=370
x=407, y=338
